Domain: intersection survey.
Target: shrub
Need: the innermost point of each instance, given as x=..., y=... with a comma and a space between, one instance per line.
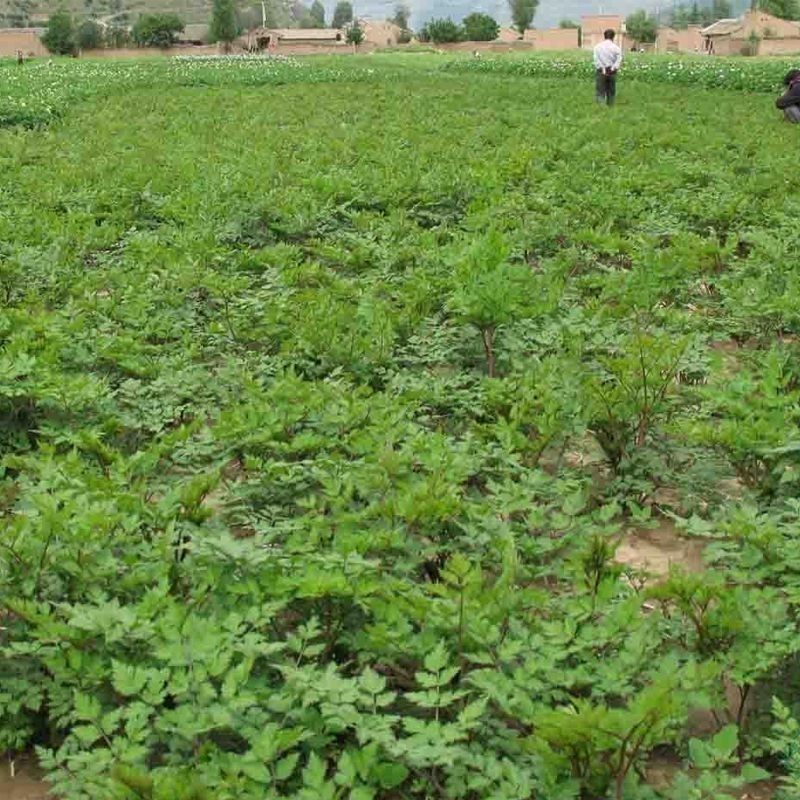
x=157, y=30
x=441, y=31
x=355, y=34
x=89, y=35
x=480, y=27
x=224, y=27
x=59, y=36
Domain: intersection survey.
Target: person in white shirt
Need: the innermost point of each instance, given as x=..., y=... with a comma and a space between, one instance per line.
x=607, y=61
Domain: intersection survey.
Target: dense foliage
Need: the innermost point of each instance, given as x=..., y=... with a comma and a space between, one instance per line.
x=354, y=33
x=89, y=35
x=480, y=27
x=59, y=34
x=157, y=30
x=522, y=13
x=224, y=26
x=317, y=14
x=342, y=14
x=324, y=437
x=641, y=26
x=441, y=31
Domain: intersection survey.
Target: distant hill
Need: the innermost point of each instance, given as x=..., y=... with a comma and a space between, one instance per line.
x=549, y=14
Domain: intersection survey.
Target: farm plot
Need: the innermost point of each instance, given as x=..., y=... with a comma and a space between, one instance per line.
x=391, y=434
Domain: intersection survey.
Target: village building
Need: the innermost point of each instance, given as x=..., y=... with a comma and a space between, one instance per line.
x=593, y=29
x=293, y=40
x=553, y=38
x=685, y=40
x=380, y=33
x=25, y=40
x=754, y=33
x=508, y=35
x=194, y=33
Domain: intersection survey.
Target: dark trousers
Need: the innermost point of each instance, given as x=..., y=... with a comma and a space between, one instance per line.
x=606, y=88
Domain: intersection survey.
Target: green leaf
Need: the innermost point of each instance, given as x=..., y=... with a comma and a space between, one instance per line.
x=437, y=659
x=751, y=773
x=725, y=742
x=699, y=755
x=286, y=766
x=256, y=771
x=128, y=679
x=390, y=776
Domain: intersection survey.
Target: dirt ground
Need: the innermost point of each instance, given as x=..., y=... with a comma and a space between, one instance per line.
x=655, y=550
x=25, y=785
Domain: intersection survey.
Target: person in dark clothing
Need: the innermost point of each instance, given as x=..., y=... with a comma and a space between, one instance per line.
x=789, y=101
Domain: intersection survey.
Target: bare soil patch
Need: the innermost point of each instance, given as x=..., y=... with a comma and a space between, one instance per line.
x=655, y=550
x=26, y=783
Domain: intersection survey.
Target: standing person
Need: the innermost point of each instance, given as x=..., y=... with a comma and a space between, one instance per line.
x=789, y=101
x=20, y=58
x=607, y=61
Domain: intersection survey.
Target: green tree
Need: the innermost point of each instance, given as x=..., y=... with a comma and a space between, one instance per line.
x=568, y=23
x=480, y=27
x=721, y=9
x=786, y=9
x=89, y=35
x=401, y=16
x=224, y=27
x=680, y=17
x=641, y=27
x=157, y=30
x=59, y=35
x=442, y=31
x=317, y=14
x=342, y=14
x=355, y=34
x=522, y=13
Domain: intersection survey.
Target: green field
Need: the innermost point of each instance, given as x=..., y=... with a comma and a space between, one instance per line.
x=399, y=427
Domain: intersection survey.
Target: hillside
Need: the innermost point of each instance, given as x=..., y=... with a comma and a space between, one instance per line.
x=550, y=12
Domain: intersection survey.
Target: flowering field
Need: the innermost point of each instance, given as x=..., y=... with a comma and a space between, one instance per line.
x=754, y=74
x=372, y=432
x=42, y=90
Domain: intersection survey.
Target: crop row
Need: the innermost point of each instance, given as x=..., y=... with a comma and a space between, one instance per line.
x=756, y=75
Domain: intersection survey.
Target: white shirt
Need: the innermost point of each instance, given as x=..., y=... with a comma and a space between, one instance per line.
x=607, y=55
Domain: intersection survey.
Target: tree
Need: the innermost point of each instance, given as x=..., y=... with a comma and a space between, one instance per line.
x=480, y=27
x=117, y=36
x=401, y=15
x=59, y=35
x=522, y=13
x=680, y=17
x=641, y=27
x=441, y=31
x=89, y=35
x=224, y=27
x=568, y=23
x=342, y=14
x=157, y=30
x=317, y=14
x=786, y=9
x=355, y=34
x=721, y=9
